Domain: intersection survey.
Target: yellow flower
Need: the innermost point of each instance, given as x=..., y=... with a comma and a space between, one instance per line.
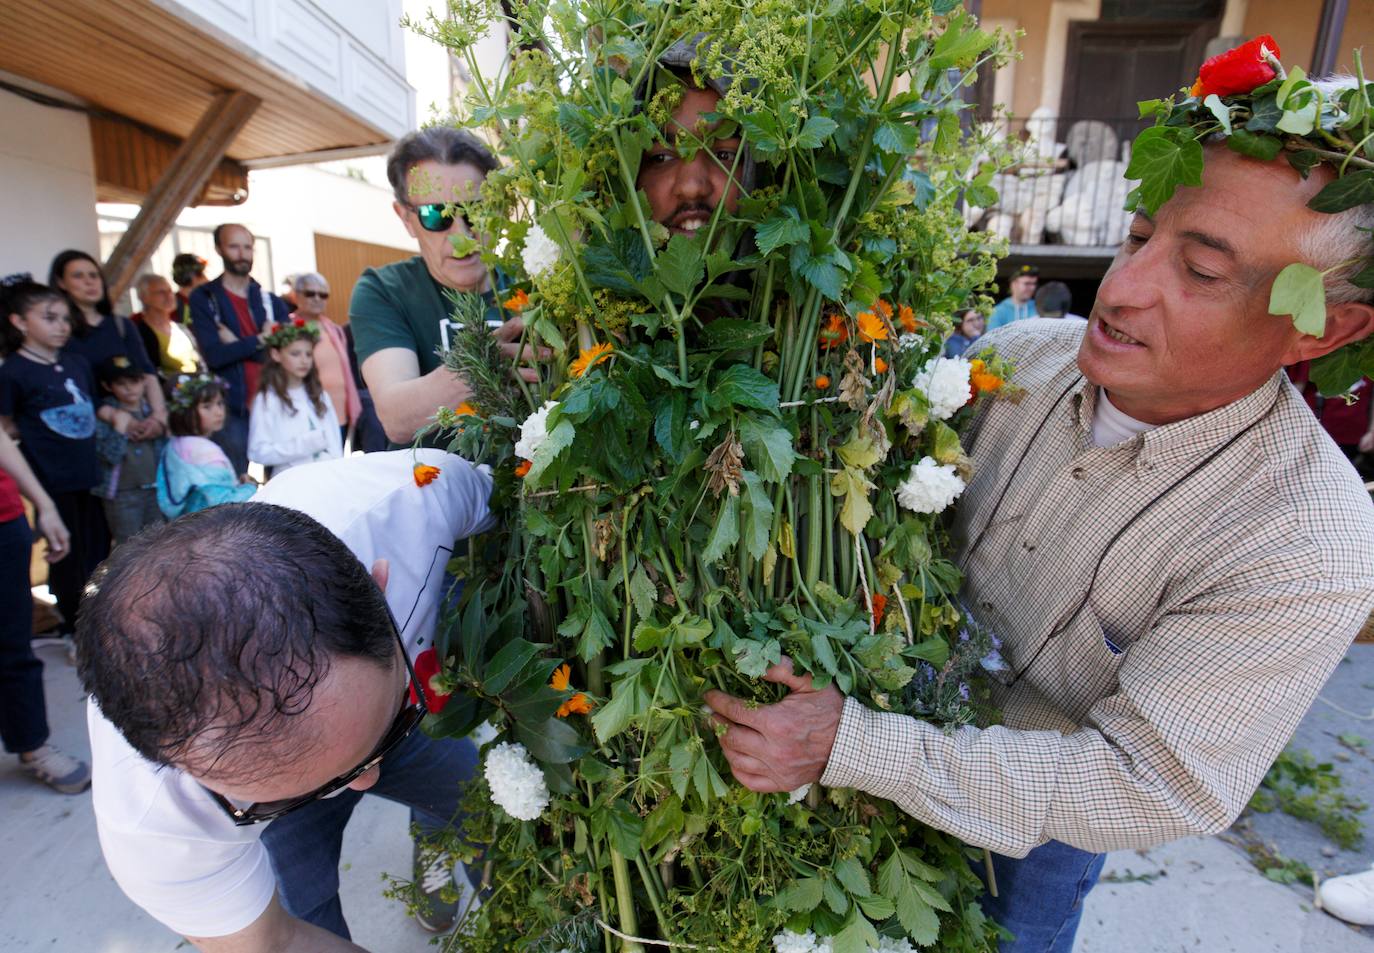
x=871, y=327
x=579, y=704
x=591, y=357
x=425, y=474
x=561, y=677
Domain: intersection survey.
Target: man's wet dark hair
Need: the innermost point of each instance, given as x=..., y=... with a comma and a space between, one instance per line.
x=442, y=144
x=206, y=636
x=1053, y=299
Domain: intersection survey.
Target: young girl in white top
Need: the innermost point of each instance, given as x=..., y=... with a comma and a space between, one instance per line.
x=292, y=420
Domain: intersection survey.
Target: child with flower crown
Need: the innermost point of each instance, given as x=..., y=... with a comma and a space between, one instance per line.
x=195, y=473
x=292, y=420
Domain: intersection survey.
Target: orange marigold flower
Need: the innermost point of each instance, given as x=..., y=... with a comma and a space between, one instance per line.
x=591, y=357
x=907, y=318
x=883, y=308
x=561, y=677
x=871, y=327
x=465, y=410
x=879, y=607
x=822, y=382
x=834, y=331
x=579, y=704
x=517, y=302
x=425, y=474
x=984, y=383
x=880, y=365
x=523, y=467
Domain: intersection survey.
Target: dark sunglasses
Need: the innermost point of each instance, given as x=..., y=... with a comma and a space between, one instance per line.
x=322, y=295
x=407, y=718
x=439, y=216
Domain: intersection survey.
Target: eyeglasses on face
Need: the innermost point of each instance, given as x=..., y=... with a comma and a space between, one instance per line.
x=402, y=725
x=439, y=216
x=322, y=295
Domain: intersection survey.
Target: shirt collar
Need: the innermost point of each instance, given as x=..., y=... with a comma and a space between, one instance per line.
x=1182, y=440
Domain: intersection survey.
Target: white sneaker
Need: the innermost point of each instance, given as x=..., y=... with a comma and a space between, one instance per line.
x=58, y=770
x=1351, y=898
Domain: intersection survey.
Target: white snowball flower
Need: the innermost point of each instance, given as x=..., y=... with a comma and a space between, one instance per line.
x=930, y=487
x=789, y=942
x=945, y=383
x=799, y=794
x=516, y=782
x=534, y=431
x=895, y=946
x=825, y=944
x=907, y=341
x=540, y=253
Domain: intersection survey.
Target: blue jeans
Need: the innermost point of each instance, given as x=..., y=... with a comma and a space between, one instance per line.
x=1040, y=897
x=423, y=773
x=233, y=440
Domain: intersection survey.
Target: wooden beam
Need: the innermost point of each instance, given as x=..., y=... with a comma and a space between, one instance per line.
x=182, y=181
x=1329, y=30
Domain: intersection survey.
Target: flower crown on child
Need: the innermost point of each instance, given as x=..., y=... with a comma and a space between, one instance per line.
x=1246, y=97
x=293, y=330
x=186, y=393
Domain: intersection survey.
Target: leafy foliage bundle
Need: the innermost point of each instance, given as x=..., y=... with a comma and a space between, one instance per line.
x=708, y=478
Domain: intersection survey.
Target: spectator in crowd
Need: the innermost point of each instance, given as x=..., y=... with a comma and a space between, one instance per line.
x=331, y=352
x=1020, y=301
x=195, y=473
x=970, y=329
x=1053, y=300
x=1349, y=422
x=231, y=316
x=399, y=315
x=167, y=341
x=368, y=434
x=98, y=334
x=293, y=420
x=46, y=401
x=225, y=775
x=289, y=295
x=23, y=709
x=128, y=467
x=188, y=271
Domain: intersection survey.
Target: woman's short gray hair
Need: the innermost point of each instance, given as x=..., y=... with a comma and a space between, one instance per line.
x=309, y=279
x=142, y=282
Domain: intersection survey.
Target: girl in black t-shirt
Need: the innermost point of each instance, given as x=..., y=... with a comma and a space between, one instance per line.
x=46, y=401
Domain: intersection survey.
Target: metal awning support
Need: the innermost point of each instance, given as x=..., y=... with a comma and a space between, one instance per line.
x=182, y=181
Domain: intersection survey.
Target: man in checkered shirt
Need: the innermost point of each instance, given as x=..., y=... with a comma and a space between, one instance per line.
x=1173, y=553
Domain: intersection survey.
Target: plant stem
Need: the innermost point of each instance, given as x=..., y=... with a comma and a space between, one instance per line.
x=625, y=901
x=651, y=887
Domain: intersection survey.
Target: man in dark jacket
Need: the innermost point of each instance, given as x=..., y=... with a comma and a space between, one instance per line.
x=230, y=318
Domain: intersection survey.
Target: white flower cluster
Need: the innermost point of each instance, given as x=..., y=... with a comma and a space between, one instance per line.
x=808, y=942
x=534, y=431
x=799, y=794
x=945, y=382
x=516, y=782
x=930, y=487
x=540, y=253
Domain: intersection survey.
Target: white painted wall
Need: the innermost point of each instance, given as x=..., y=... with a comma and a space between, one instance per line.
x=47, y=185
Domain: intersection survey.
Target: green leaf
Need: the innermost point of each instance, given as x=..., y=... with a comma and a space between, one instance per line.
x=783, y=228
x=554, y=742
x=627, y=700
x=762, y=132
x=1163, y=159
x=825, y=655
x=753, y=658
x=769, y=447
x=1294, y=82
x=825, y=276
x=802, y=896
x=947, y=448
x=852, y=874
x=621, y=826
x=558, y=440
x=733, y=334
x=597, y=635
x=725, y=532
x=758, y=515
x=577, y=123
x=642, y=593
x=1264, y=114
x=1219, y=110
x=664, y=821
x=1299, y=291
x=835, y=898
x=857, y=935
x=1256, y=146
x=816, y=130
x=896, y=138
x=670, y=425
x=1351, y=189
x=959, y=44
x=681, y=265
x=708, y=781
x=1337, y=372
x=680, y=767
x=876, y=907
x=860, y=452
x=857, y=510
x=742, y=386
x=506, y=664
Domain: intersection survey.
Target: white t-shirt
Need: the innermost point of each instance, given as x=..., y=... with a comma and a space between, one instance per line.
x=1111, y=426
x=281, y=439
x=169, y=846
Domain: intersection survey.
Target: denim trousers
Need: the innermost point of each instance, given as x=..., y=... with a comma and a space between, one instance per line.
x=423, y=773
x=233, y=440
x=131, y=511
x=23, y=714
x=1040, y=897
x=84, y=517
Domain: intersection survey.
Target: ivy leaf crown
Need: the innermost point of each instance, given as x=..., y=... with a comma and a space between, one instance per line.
x=293, y=330
x=1245, y=97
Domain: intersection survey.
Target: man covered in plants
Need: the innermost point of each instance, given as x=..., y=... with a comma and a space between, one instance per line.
x=1173, y=554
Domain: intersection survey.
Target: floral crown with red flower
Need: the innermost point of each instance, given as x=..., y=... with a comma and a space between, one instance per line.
x=293, y=330
x=1246, y=97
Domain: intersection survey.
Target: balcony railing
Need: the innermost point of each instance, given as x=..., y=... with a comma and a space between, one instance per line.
x=1071, y=187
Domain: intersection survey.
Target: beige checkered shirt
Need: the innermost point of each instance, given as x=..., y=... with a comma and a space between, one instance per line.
x=1149, y=703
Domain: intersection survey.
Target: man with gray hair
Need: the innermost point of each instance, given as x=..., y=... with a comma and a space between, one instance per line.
x=400, y=312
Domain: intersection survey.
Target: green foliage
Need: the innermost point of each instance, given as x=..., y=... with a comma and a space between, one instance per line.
x=1300, y=786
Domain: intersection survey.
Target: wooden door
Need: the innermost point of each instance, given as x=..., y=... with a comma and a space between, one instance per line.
x=342, y=260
